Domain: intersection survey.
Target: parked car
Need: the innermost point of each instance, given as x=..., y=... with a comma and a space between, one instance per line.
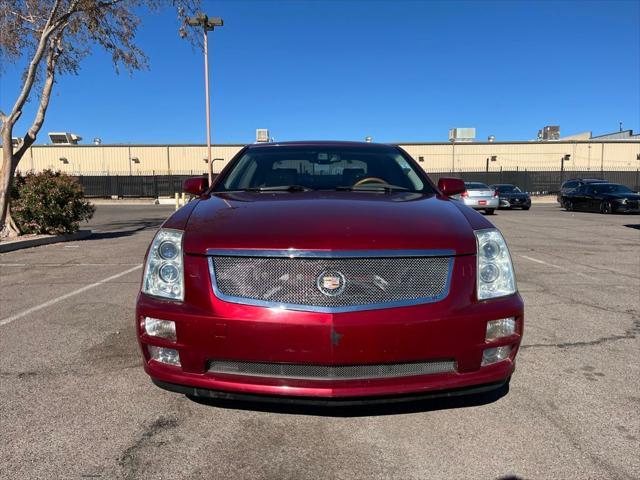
x=480, y=196
x=572, y=184
x=603, y=198
x=331, y=272
x=511, y=196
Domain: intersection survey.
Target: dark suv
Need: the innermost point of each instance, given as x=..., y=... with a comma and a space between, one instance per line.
x=570, y=185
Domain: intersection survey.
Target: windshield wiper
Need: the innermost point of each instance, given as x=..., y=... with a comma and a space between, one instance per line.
x=374, y=187
x=279, y=188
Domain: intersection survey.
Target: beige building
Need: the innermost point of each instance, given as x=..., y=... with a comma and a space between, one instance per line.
x=587, y=155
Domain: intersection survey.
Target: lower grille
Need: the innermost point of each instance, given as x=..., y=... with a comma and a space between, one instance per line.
x=330, y=372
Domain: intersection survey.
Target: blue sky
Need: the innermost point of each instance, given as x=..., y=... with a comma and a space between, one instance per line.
x=396, y=70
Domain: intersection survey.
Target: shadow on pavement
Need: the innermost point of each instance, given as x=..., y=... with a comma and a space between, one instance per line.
x=364, y=410
x=116, y=234
x=120, y=229
x=633, y=225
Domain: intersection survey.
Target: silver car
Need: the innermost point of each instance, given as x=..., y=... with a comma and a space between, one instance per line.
x=480, y=197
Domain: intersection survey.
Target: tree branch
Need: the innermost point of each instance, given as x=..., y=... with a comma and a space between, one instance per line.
x=55, y=49
x=22, y=17
x=33, y=67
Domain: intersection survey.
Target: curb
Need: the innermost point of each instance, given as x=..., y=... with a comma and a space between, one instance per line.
x=132, y=201
x=18, y=244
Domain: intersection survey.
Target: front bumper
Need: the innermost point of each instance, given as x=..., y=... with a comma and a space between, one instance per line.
x=211, y=329
x=515, y=203
x=629, y=207
x=330, y=402
x=482, y=203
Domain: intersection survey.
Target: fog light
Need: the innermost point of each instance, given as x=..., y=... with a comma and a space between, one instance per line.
x=164, y=355
x=160, y=328
x=493, y=355
x=500, y=328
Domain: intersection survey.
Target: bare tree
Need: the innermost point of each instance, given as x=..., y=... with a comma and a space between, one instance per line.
x=54, y=36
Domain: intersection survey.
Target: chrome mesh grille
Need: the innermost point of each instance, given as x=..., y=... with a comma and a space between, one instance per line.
x=367, y=281
x=330, y=372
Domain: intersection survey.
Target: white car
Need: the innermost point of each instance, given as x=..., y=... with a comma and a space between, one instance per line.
x=480, y=197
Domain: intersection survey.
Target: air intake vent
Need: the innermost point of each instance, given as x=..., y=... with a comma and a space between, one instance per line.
x=330, y=372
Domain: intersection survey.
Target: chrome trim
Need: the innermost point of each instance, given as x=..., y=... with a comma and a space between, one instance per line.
x=295, y=253
x=328, y=254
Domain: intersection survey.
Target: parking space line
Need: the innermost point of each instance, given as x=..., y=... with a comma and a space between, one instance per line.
x=24, y=313
x=558, y=267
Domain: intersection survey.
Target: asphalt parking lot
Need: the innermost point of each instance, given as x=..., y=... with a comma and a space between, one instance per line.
x=75, y=402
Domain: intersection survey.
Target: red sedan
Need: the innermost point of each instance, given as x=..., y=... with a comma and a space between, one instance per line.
x=329, y=272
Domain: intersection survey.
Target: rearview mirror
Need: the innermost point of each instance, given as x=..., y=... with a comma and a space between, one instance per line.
x=451, y=186
x=195, y=185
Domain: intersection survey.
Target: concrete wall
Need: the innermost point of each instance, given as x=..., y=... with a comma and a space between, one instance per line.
x=585, y=155
x=185, y=159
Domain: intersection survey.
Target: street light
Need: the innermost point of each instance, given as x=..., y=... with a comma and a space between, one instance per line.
x=207, y=24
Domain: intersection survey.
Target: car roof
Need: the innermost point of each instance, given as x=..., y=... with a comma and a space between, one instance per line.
x=502, y=185
x=321, y=143
x=587, y=180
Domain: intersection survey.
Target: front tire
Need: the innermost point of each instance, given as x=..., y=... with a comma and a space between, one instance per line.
x=606, y=208
x=490, y=211
x=568, y=205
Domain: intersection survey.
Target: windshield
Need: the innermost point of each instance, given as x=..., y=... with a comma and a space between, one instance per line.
x=476, y=186
x=611, y=188
x=318, y=168
x=508, y=189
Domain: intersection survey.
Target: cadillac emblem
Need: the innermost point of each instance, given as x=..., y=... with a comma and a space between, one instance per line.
x=331, y=283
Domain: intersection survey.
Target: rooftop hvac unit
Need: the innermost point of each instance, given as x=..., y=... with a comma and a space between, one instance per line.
x=462, y=134
x=262, y=135
x=549, y=132
x=64, y=138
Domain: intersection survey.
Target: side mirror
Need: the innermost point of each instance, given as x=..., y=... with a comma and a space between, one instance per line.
x=451, y=186
x=195, y=185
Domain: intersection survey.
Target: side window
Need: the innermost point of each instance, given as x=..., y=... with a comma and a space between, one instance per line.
x=571, y=184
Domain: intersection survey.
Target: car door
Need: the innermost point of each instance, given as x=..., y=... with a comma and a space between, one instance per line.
x=590, y=198
x=579, y=198
x=595, y=198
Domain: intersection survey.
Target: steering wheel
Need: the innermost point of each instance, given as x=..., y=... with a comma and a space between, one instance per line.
x=368, y=180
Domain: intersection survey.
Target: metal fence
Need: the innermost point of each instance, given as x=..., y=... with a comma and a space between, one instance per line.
x=536, y=182
x=132, y=186
x=542, y=182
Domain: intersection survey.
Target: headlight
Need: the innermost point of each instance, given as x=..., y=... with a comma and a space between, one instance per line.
x=163, y=273
x=495, y=271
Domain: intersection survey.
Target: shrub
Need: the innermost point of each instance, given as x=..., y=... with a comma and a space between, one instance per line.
x=49, y=202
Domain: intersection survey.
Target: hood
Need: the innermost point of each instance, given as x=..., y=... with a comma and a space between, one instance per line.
x=330, y=221
x=620, y=196
x=513, y=195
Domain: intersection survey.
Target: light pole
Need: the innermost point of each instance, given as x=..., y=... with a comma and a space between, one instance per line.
x=564, y=158
x=207, y=24
x=453, y=154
